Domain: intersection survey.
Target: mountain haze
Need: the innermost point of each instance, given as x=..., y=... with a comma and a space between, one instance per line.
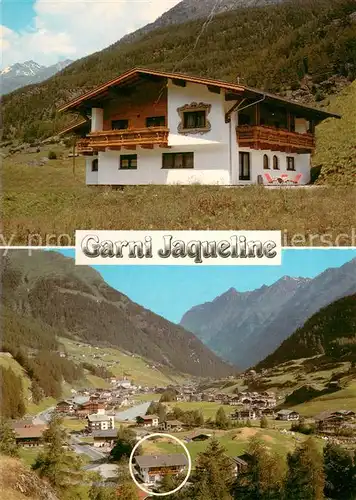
x=245, y=327
x=21, y=74
x=75, y=301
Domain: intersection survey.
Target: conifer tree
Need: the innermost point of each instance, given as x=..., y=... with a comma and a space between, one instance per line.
x=8, y=444
x=305, y=476
x=263, y=479
x=125, y=443
x=59, y=466
x=264, y=422
x=339, y=473
x=213, y=474
x=221, y=420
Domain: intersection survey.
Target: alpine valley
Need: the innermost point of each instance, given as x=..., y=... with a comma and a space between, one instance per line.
x=245, y=327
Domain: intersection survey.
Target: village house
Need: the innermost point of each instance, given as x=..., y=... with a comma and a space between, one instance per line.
x=152, y=468
x=104, y=438
x=287, y=415
x=154, y=127
x=100, y=422
x=29, y=435
x=65, y=407
x=331, y=422
x=171, y=425
x=241, y=463
x=148, y=421
x=90, y=407
x=249, y=414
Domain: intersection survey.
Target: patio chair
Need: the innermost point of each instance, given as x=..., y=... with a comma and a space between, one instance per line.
x=297, y=179
x=269, y=179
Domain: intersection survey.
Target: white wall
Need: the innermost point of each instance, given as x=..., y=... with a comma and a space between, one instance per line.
x=302, y=165
x=211, y=166
x=180, y=96
x=91, y=177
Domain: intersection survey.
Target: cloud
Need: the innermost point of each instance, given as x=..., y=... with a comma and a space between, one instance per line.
x=76, y=28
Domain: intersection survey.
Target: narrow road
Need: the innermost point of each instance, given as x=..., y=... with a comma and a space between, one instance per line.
x=86, y=449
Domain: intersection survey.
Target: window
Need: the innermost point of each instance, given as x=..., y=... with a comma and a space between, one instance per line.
x=119, y=124
x=156, y=121
x=128, y=162
x=178, y=160
x=194, y=119
x=265, y=162
x=290, y=163
x=275, y=163
x=95, y=165
x=245, y=171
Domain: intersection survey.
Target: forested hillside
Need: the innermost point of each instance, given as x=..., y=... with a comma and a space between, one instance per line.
x=46, y=296
x=330, y=332
x=273, y=47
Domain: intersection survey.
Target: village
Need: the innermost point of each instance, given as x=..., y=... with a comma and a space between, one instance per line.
x=93, y=417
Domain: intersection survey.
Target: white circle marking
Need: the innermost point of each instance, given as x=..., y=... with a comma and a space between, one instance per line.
x=159, y=434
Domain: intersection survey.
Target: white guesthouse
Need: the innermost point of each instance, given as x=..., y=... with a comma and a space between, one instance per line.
x=151, y=127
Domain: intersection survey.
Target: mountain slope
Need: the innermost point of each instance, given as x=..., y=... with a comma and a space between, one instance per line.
x=271, y=47
x=245, y=327
x=336, y=151
x=330, y=332
x=189, y=10
x=19, y=75
x=76, y=301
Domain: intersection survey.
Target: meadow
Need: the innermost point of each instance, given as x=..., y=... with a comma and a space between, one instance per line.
x=45, y=204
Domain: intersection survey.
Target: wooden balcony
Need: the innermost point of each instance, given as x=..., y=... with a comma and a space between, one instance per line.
x=261, y=137
x=125, y=139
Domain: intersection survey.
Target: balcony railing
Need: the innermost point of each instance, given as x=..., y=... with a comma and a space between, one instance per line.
x=261, y=137
x=146, y=137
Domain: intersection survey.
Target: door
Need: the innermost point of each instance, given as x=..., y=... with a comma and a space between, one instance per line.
x=244, y=166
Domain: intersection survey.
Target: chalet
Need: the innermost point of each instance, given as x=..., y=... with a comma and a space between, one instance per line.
x=152, y=468
x=100, y=422
x=29, y=435
x=287, y=415
x=241, y=463
x=104, y=438
x=171, y=425
x=332, y=421
x=64, y=407
x=249, y=414
x=154, y=127
x=235, y=401
x=90, y=407
x=148, y=421
x=197, y=436
x=268, y=412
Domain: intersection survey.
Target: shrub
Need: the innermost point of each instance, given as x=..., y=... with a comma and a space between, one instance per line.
x=52, y=155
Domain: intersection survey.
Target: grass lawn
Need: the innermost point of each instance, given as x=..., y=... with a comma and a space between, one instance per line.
x=28, y=455
x=120, y=364
x=53, y=200
x=74, y=424
x=142, y=398
x=236, y=441
x=33, y=409
x=340, y=400
x=209, y=409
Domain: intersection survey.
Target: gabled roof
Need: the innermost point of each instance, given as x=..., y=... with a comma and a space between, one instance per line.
x=175, y=459
x=134, y=75
x=74, y=126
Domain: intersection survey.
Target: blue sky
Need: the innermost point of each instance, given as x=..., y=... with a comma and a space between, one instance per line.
x=171, y=290
x=47, y=31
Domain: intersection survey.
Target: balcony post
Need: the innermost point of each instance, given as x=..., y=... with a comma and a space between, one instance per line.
x=258, y=114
